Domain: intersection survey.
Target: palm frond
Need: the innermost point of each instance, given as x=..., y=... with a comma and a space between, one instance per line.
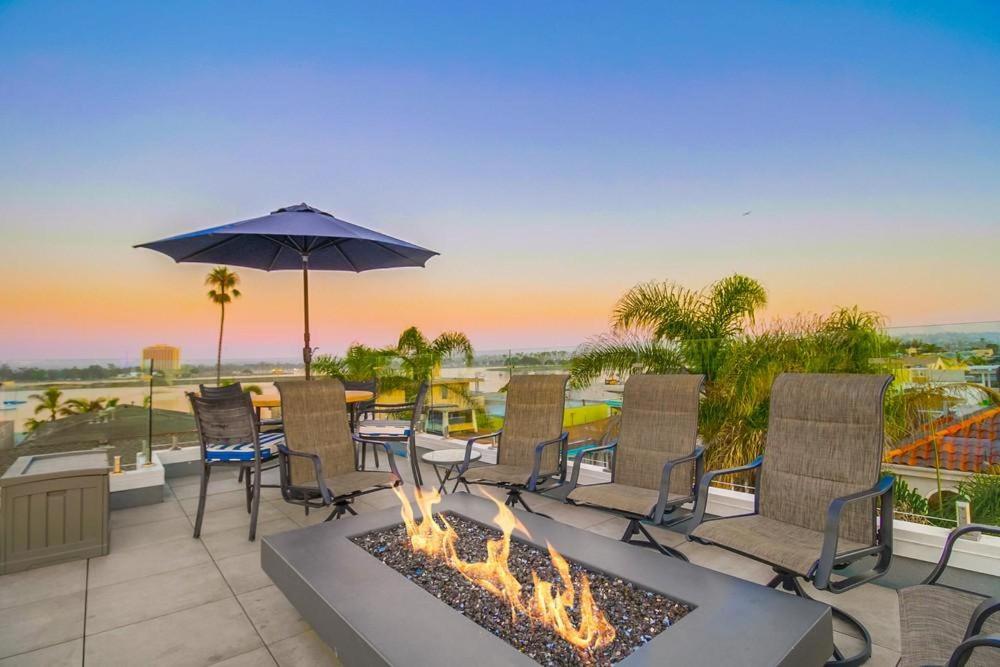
x=622, y=355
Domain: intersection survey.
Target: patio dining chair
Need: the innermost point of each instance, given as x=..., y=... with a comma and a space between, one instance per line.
x=236, y=389
x=396, y=431
x=531, y=446
x=318, y=456
x=361, y=409
x=228, y=437
x=942, y=625
x=655, y=460
x=817, y=485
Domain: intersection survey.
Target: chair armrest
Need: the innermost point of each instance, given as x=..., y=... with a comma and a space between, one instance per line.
x=539, y=449
x=698, y=455
x=706, y=481
x=950, y=544
x=979, y=617
x=883, y=539
x=578, y=459
x=468, y=449
x=384, y=444
x=284, y=453
x=961, y=654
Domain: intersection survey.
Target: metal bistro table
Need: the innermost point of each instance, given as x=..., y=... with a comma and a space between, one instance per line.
x=450, y=460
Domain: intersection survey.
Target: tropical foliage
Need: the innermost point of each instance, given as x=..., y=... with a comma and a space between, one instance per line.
x=401, y=366
x=49, y=401
x=79, y=406
x=223, y=290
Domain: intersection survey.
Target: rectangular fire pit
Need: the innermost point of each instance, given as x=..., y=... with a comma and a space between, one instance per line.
x=374, y=615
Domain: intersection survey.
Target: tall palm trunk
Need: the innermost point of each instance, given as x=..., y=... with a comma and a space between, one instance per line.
x=218, y=357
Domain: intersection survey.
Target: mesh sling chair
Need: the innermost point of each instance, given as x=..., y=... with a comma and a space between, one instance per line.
x=359, y=410
x=396, y=430
x=228, y=437
x=531, y=446
x=941, y=625
x=381, y=426
x=817, y=486
x=655, y=459
x=317, y=459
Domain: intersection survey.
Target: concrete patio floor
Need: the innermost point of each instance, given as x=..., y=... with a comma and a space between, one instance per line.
x=162, y=597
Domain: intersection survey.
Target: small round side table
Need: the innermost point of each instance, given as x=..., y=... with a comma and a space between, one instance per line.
x=450, y=460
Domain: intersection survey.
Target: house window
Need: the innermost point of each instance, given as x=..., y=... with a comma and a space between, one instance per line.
x=444, y=391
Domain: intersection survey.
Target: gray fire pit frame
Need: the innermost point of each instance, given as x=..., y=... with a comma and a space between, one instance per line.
x=374, y=615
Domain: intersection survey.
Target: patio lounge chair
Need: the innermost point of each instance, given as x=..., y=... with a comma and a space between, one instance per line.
x=531, y=446
x=655, y=461
x=941, y=625
x=817, y=482
x=396, y=430
x=228, y=437
x=318, y=457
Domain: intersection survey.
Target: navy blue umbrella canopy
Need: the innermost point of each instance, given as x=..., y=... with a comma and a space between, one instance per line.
x=296, y=237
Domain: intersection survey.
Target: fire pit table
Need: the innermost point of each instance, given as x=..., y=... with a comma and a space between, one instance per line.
x=373, y=614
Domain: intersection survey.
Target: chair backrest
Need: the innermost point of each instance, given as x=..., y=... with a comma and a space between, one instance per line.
x=225, y=391
x=659, y=422
x=228, y=420
x=534, y=414
x=360, y=385
x=315, y=418
x=825, y=439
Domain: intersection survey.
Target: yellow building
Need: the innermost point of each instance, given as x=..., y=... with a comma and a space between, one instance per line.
x=164, y=357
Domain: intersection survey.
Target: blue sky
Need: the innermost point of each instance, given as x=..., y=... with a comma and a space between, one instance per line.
x=555, y=154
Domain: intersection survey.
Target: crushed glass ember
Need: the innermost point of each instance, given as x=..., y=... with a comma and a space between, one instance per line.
x=638, y=615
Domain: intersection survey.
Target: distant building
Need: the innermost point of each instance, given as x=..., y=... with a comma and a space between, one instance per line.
x=164, y=357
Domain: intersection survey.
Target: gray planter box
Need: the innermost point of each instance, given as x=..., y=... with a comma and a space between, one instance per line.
x=53, y=507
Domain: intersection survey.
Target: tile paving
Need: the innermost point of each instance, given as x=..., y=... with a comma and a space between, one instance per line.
x=160, y=597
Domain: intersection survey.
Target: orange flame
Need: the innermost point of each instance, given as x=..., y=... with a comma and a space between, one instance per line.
x=549, y=605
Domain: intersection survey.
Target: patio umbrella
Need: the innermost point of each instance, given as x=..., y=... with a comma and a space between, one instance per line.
x=294, y=237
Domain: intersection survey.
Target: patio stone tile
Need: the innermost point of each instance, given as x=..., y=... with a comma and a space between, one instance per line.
x=216, y=521
x=42, y=583
x=260, y=657
x=720, y=560
x=385, y=499
x=39, y=624
x=233, y=542
x=881, y=656
x=68, y=654
x=243, y=573
x=613, y=528
x=215, y=486
x=168, y=509
x=119, y=566
x=202, y=635
x=216, y=501
x=304, y=650
x=155, y=532
x=113, y=606
x=272, y=614
x=877, y=607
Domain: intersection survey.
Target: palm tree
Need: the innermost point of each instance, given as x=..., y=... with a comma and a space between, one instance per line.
x=79, y=406
x=49, y=400
x=403, y=366
x=662, y=327
x=223, y=283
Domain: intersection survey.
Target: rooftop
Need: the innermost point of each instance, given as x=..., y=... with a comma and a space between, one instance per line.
x=162, y=597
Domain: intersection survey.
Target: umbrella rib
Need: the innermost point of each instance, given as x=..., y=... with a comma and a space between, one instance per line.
x=215, y=245
x=392, y=250
x=270, y=265
x=283, y=244
x=347, y=259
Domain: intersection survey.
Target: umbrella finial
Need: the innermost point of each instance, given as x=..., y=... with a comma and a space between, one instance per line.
x=301, y=208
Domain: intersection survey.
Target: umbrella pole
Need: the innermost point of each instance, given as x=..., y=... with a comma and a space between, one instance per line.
x=306, y=349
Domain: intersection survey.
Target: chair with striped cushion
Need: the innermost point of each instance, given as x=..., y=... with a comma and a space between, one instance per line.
x=394, y=430
x=228, y=437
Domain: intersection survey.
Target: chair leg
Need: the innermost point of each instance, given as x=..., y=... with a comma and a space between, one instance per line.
x=256, y=499
x=339, y=509
x=206, y=471
x=239, y=478
x=375, y=455
x=790, y=582
x=247, y=485
x=515, y=498
x=635, y=526
x=364, y=455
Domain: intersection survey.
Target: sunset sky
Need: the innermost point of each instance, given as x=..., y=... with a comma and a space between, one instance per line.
x=554, y=154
